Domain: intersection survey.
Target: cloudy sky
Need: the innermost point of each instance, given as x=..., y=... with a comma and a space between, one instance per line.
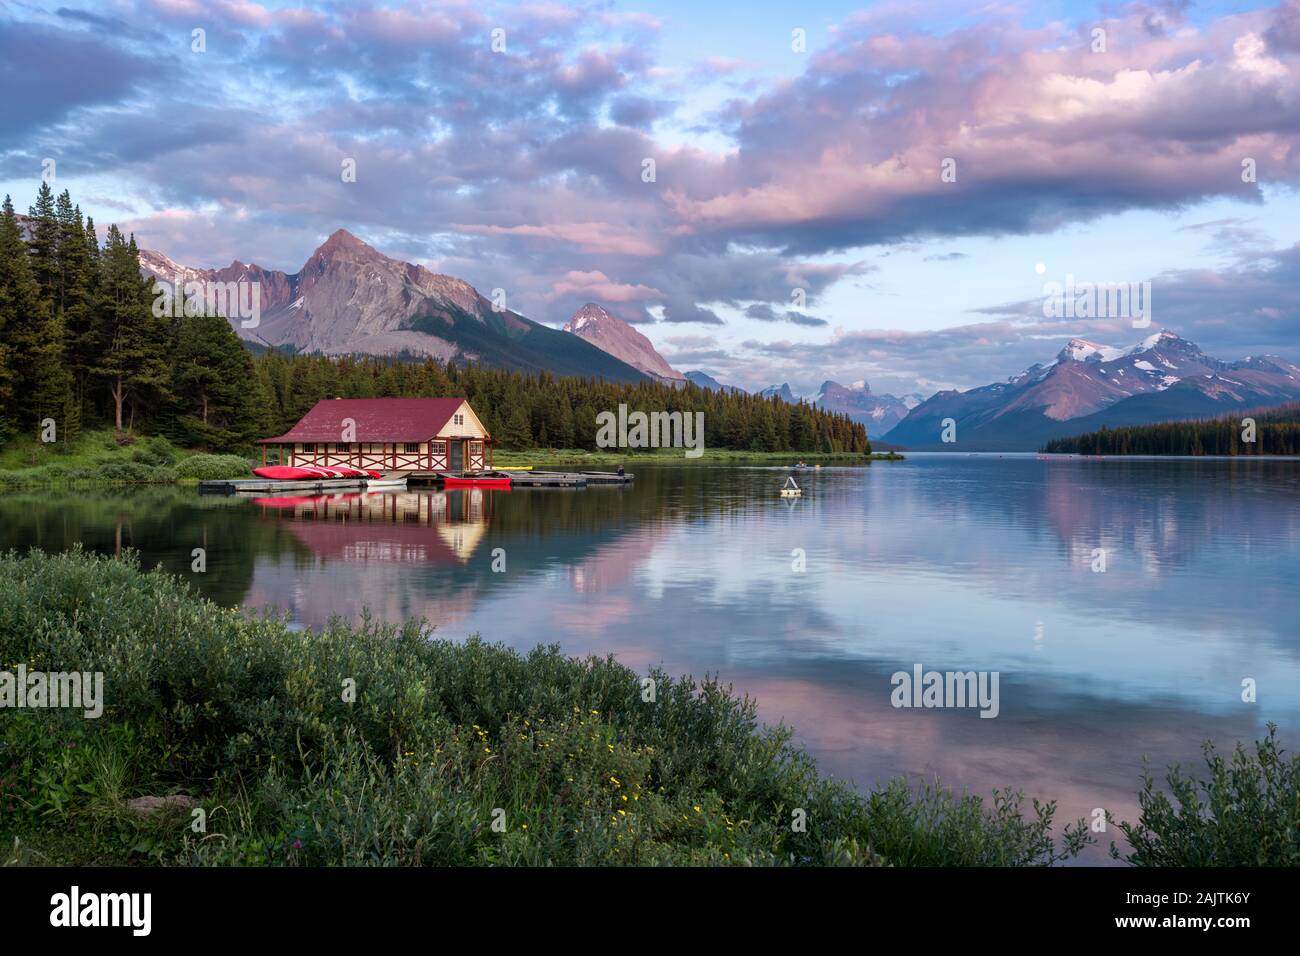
x=799, y=225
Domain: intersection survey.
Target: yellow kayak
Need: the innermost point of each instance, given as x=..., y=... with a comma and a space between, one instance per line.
x=515, y=468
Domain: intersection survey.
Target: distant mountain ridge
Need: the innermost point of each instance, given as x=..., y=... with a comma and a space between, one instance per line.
x=781, y=391
x=705, y=380
x=879, y=413
x=1090, y=386
x=349, y=298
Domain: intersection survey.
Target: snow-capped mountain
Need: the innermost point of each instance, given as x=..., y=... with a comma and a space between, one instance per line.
x=879, y=413
x=1087, y=386
x=350, y=299
x=781, y=391
x=594, y=324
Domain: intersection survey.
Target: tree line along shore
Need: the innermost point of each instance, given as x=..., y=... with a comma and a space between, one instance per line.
x=1267, y=431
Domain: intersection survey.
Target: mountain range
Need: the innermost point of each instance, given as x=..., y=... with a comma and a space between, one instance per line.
x=879, y=413
x=1089, y=386
x=349, y=298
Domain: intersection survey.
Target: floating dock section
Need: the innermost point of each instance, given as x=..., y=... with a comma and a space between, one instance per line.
x=530, y=479
x=261, y=486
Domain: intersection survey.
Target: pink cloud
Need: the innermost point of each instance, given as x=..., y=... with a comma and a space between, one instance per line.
x=592, y=236
x=598, y=287
x=859, y=140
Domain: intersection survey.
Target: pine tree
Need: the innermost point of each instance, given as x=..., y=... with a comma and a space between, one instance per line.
x=214, y=383
x=129, y=358
x=43, y=244
x=12, y=256
x=517, y=432
x=37, y=384
x=75, y=309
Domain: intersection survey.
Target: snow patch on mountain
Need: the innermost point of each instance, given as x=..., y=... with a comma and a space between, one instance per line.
x=1081, y=350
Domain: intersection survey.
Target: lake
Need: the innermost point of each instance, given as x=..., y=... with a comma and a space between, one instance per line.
x=951, y=562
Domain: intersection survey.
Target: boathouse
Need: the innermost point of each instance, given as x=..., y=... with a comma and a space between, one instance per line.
x=387, y=434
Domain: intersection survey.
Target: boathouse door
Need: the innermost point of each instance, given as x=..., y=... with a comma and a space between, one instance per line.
x=456, y=450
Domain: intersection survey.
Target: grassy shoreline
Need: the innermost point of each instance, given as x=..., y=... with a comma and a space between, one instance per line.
x=550, y=457
x=98, y=460
x=378, y=745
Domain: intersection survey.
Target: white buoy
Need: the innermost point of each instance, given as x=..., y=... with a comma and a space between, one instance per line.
x=791, y=489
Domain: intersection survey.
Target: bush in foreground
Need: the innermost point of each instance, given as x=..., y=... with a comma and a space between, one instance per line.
x=448, y=754
x=1246, y=814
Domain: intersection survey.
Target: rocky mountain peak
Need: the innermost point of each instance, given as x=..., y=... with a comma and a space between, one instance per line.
x=586, y=316
x=342, y=239
x=1081, y=350
x=593, y=323
x=1164, y=339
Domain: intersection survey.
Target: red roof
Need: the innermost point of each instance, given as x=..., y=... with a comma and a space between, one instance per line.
x=377, y=420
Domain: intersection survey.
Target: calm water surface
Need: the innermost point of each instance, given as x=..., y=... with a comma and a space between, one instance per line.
x=955, y=562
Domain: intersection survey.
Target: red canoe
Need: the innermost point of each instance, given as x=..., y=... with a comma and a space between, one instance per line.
x=450, y=482
x=308, y=472
x=287, y=473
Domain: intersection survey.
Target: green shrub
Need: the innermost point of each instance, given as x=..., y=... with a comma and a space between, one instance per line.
x=156, y=452
x=213, y=467
x=126, y=471
x=1246, y=814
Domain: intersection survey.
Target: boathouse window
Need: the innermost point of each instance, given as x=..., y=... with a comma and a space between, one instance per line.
x=411, y=447
x=439, y=448
x=476, y=448
x=309, y=447
x=458, y=419
x=341, y=446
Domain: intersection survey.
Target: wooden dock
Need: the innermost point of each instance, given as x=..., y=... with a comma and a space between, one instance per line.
x=398, y=482
x=531, y=479
x=545, y=479
x=607, y=477
x=262, y=486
